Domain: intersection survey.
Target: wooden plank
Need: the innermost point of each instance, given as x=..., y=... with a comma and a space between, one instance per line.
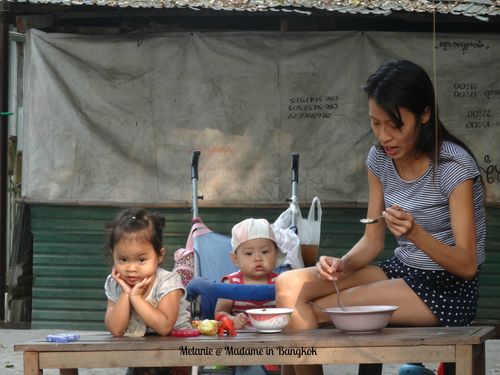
x=75, y=293
x=31, y=363
x=67, y=315
x=479, y=359
x=464, y=361
x=160, y=358
x=463, y=345
x=73, y=304
x=73, y=325
x=320, y=338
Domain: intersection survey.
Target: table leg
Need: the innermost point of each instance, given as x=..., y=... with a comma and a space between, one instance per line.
x=479, y=359
x=470, y=359
x=31, y=364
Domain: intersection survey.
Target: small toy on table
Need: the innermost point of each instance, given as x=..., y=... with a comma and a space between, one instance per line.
x=225, y=325
x=206, y=327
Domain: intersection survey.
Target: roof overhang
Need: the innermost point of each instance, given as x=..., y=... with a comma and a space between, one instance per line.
x=480, y=9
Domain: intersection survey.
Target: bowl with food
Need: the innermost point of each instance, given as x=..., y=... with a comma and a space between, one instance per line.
x=360, y=319
x=269, y=320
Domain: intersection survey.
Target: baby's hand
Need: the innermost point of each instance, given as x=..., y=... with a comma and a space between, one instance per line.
x=240, y=320
x=117, y=277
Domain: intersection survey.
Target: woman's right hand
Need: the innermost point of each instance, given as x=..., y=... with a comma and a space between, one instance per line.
x=329, y=268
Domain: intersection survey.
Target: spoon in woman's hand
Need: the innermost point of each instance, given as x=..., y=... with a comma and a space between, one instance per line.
x=372, y=221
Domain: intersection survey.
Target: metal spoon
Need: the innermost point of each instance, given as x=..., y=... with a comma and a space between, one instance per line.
x=318, y=306
x=339, y=302
x=371, y=221
x=338, y=295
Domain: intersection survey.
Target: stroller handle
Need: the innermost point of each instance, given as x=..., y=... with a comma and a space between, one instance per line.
x=194, y=164
x=295, y=167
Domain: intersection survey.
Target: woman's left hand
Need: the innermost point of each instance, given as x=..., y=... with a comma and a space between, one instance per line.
x=398, y=221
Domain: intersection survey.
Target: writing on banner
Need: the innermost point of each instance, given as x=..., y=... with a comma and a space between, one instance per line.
x=243, y=351
x=312, y=107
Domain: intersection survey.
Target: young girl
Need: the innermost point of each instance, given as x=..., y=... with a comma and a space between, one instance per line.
x=142, y=297
x=255, y=253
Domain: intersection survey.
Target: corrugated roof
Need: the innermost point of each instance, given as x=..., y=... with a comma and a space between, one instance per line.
x=481, y=9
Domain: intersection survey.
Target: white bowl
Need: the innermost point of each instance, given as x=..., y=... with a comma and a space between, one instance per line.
x=269, y=320
x=360, y=319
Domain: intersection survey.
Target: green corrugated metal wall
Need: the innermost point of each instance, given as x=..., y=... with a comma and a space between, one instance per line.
x=69, y=265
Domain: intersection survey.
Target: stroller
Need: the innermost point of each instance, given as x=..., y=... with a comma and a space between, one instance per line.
x=203, y=246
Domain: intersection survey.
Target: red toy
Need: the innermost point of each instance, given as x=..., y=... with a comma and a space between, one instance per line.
x=225, y=325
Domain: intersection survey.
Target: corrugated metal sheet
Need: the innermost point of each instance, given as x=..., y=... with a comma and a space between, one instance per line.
x=481, y=9
x=69, y=266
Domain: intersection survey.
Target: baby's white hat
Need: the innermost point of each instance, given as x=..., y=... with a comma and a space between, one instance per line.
x=250, y=229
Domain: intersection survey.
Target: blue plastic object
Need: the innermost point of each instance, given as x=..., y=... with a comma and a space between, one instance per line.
x=210, y=291
x=415, y=369
x=63, y=337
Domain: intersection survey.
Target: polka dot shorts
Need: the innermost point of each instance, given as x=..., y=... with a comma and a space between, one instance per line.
x=452, y=299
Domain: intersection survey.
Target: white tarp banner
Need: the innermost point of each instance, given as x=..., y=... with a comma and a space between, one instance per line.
x=116, y=119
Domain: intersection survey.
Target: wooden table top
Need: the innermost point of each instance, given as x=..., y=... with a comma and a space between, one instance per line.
x=318, y=338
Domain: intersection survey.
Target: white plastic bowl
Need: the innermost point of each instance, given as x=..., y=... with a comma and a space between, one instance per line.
x=269, y=320
x=360, y=319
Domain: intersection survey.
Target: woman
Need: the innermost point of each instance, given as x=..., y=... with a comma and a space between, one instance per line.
x=427, y=186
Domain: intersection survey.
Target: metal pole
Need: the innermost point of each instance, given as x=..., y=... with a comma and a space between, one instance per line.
x=295, y=181
x=4, y=133
x=194, y=182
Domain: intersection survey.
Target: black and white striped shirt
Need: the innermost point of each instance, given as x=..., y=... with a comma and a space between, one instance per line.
x=426, y=198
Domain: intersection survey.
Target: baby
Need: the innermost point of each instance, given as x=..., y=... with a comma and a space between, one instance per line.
x=256, y=254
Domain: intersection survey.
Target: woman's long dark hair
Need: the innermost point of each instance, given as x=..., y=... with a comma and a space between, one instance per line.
x=401, y=83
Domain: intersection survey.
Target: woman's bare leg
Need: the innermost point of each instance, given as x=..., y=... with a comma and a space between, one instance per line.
x=297, y=288
x=412, y=311
x=367, y=286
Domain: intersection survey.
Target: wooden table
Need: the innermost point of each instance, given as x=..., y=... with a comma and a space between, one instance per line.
x=462, y=345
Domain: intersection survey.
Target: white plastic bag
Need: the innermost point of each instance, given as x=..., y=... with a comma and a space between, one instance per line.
x=284, y=221
x=308, y=229
x=289, y=243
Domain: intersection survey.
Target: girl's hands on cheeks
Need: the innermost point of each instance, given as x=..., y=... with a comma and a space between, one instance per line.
x=125, y=287
x=140, y=288
x=329, y=268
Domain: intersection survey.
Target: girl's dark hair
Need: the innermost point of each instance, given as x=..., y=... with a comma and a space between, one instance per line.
x=137, y=220
x=401, y=83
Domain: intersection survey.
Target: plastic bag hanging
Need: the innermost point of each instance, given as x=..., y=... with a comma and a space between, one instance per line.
x=309, y=231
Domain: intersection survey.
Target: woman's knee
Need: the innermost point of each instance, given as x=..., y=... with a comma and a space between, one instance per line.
x=290, y=282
